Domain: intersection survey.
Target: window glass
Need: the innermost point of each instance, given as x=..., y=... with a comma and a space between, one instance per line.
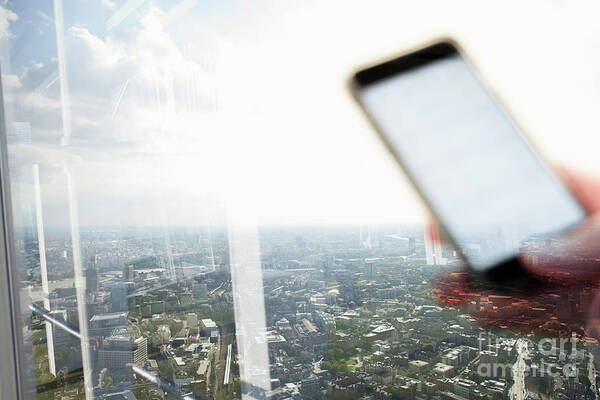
x=198, y=211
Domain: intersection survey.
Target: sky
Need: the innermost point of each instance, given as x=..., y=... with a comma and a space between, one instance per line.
x=178, y=112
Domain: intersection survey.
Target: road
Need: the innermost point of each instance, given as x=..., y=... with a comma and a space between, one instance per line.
x=223, y=389
x=227, y=366
x=517, y=390
x=592, y=375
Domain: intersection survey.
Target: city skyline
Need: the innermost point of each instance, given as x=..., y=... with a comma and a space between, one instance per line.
x=200, y=210
x=342, y=314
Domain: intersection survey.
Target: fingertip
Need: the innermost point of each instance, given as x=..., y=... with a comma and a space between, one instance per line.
x=432, y=231
x=585, y=187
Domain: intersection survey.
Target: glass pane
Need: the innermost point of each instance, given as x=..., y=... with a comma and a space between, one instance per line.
x=192, y=219
x=122, y=251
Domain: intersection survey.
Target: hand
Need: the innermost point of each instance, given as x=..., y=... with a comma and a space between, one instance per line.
x=567, y=298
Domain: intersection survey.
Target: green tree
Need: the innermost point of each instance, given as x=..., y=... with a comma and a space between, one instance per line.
x=429, y=348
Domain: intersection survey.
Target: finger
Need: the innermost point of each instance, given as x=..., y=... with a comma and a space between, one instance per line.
x=433, y=232
x=555, y=309
x=573, y=257
x=585, y=187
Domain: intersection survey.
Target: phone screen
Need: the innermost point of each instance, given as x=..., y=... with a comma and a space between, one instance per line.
x=482, y=180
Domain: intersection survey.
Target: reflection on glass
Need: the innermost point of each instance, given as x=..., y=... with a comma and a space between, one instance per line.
x=125, y=288
x=137, y=280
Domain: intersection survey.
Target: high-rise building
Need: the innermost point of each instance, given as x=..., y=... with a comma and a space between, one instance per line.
x=331, y=297
x=224, y=261
x=192, y=320
x=200, y=291
x=91, y=276
x=412, y=247
x=370, y=268
x=66, y=347
x=128, y=273
x=300, y=242
x=121, y=350
x=102, y=325
x=121, y=296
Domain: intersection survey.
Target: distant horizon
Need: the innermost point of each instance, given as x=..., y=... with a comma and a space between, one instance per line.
x=225, y=226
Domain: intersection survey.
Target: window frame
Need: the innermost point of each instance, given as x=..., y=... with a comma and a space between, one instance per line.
x=12, y=362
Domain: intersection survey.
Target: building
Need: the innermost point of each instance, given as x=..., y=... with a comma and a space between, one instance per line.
x=300, y=242
x=370, y=268
x=274, y=340
x=325, y=321
x=202, y=371
x=102, y=325
x=172, y=303
x=433, y=249
x=66, y=348
x=494, y=389
x=309, y=386
x=122, y=395
x=122, y=296
x=162, y=336
x=443, y=369
x=282, y=324
x=487, y=357
x=210, y=329
x=186, y=299
x=91, y=277
x=331, y=297
x=412, y=247
x=200, y=291
x=121, y=349
x=128, y=273
x=418, y=365
x=464, y=388
x=192, y=320
x=384, y=332
x=444, y=395
x=456, y=356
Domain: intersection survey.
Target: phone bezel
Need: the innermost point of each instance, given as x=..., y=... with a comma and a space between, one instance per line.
x=511, y=271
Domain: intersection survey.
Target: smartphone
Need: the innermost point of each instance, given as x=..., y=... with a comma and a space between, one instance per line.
x=488, y=188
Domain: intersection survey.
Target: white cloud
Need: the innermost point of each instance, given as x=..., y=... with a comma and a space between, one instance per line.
x=136, y=103
x=111, y=5
x=93, y=51
x=6, y=17
x=11, y=81
x=153, y=131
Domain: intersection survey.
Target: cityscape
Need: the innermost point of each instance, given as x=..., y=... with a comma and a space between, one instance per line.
x=129, y=123
x=350, y=313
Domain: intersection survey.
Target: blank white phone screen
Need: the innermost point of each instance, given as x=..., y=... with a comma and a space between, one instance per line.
x=480, y=177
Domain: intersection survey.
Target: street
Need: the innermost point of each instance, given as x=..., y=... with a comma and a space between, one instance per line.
x=517, y=390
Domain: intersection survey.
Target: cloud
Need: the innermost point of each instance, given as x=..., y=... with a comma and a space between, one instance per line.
x=12, y=81
x=152, y=136
x=111, y=5
x=138, y=104
x=93, y=51
x=6, y=17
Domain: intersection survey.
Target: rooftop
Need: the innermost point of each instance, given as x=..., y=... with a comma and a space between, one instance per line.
x=109, y=316
x=209, y=323
x=442, y=368
x=418, y=363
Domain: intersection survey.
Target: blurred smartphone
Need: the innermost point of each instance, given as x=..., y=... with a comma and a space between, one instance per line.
x=487, y=187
